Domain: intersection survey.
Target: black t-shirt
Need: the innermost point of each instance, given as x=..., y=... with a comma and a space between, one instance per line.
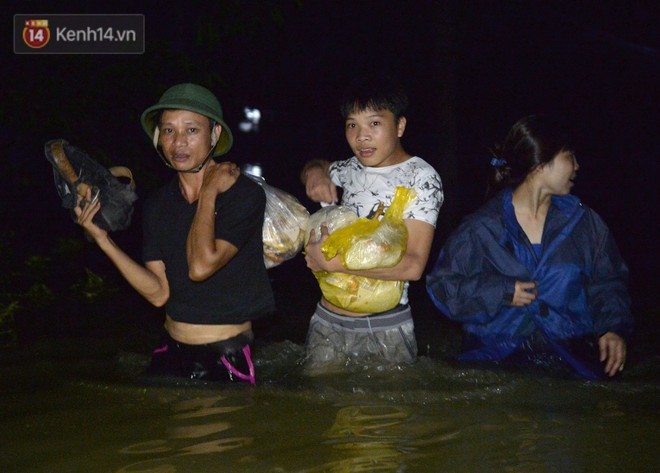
x=238, y=292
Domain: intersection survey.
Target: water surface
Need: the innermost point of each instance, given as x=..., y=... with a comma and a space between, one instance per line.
x=71, y=407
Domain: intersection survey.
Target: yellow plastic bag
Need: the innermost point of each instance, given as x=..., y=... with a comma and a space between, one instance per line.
x=372, y=243
x=359, y=294
x=363, y=244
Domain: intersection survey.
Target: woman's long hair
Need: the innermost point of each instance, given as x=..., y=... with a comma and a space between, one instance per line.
x=532, y=142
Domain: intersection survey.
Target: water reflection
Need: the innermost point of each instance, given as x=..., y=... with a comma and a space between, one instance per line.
x=540, y=447
x=378, y=438
x=71, y=415
x=196, y=430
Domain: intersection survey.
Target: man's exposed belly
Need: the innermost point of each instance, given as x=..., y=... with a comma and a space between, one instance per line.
x=197, y=334
x=338, y=310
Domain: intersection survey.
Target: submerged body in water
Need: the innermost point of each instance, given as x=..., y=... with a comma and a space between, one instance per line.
x=535, y=262
x=431, y=416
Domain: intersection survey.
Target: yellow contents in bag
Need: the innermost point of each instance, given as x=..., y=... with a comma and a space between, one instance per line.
x=366, y=244
x=359, y=294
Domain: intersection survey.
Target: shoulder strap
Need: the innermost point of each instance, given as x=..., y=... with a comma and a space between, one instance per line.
x=123, y=171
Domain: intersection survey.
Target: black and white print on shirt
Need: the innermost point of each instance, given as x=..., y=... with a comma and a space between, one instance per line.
x=364, y=188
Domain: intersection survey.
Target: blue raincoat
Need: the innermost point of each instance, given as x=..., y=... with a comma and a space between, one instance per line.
x=582, y=281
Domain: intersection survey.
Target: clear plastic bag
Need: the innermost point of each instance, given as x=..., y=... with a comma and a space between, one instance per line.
x=332, y=216
x=285, y=222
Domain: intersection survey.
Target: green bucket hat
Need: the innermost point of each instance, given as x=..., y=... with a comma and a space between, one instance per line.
x=194, y=98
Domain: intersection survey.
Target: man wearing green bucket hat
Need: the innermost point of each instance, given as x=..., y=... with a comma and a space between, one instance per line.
x=202, y=248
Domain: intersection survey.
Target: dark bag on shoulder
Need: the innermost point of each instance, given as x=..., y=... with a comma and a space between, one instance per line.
x=75, y=172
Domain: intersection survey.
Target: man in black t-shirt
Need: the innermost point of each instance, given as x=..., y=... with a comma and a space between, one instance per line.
x=203, y=250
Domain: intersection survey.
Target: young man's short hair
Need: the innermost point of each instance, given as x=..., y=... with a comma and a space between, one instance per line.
x=375, y=93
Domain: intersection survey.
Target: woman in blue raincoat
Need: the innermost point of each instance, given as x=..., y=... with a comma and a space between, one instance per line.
x=534, y=274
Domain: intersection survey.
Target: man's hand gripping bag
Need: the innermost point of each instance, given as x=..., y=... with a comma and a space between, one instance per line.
x=75, y=172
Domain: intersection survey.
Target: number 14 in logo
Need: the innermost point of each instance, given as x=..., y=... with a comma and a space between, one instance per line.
x=36, y=33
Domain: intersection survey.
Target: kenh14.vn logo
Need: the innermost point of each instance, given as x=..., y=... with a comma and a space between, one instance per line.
x=36, y=33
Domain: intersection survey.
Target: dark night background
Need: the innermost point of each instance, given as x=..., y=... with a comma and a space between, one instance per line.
x=471, y=68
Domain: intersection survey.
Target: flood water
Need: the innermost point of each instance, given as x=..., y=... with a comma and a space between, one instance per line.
x=84, y=413
x=78, y=405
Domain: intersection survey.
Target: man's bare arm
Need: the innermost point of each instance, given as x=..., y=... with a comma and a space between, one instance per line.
x=205, y=253
x=150, y=280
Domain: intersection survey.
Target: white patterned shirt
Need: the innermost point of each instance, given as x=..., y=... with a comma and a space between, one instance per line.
x=364, y=188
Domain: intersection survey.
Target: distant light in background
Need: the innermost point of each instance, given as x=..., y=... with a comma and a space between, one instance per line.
x=254, y=169
x=251, y=121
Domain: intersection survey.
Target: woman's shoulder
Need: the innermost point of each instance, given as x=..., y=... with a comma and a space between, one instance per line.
x=590, y=223
x=491, y=210
x=486, y=219
x=594, y=218
x=570, y=203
